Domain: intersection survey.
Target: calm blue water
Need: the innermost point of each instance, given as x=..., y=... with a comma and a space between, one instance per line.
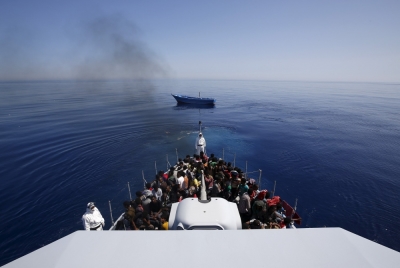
x=333, y=146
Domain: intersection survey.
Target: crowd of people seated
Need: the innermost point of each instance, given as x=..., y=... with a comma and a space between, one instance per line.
x=151, y=207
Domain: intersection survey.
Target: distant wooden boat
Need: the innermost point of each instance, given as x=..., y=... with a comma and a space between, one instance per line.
x=193, y=100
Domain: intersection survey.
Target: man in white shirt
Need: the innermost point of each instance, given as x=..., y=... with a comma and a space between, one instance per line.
x=200, y=145
x=180, y=179
x=92, y=219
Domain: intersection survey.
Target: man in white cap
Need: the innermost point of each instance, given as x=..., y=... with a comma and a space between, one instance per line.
x=200, y=145
x=92, y=219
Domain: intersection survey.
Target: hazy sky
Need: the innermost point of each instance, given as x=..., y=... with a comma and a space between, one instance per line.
x=269, y=40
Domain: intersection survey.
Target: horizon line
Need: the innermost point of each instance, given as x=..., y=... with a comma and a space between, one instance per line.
x=195, y=79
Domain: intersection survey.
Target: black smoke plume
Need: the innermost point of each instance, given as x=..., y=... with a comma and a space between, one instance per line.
x=109, y=47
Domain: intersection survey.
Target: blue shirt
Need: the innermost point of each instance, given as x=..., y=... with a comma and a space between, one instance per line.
x=243, y=188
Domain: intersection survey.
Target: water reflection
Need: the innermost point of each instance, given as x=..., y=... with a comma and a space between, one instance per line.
x=184, y=106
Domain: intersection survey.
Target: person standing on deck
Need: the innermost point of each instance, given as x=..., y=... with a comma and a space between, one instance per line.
x=245, y=206
x=181, y=179
x=200, y=145
x=92, y=219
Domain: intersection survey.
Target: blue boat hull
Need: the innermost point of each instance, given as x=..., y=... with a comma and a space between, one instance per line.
x=193, y=100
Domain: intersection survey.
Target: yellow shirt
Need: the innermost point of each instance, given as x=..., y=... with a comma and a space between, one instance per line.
x=164, y=226
x=195, y=183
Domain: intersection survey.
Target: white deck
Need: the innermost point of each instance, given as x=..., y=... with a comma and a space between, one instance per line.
x=217, y=212
x=324, y=247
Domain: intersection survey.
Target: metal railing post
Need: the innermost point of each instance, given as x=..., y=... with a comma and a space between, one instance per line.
x=112, y=220
x=273, y=193
x=246, y=172
x=129, y=188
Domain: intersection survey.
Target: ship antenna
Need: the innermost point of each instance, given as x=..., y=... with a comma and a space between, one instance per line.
x=203, y=193
x=200, y=126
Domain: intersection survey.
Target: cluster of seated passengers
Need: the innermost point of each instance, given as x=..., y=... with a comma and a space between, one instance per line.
x=151, y=207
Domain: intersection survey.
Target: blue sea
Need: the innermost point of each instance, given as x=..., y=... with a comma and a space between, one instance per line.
x=335, y=147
